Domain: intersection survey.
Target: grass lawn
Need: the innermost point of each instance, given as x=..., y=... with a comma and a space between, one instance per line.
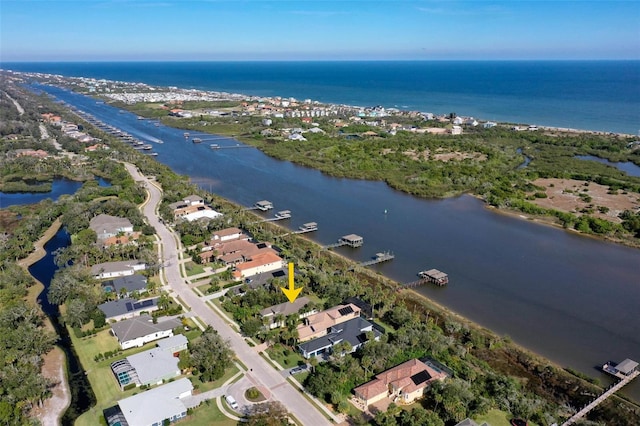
x=285, y=356
x=204, y=387
x=497, y=418
x=204, y=287
x=193, y=268
x=207, y=414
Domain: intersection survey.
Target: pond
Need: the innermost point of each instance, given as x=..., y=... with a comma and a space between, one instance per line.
x=624, y=166
x=58, y=187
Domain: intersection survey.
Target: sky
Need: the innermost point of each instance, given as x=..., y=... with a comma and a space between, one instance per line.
x=229, y=30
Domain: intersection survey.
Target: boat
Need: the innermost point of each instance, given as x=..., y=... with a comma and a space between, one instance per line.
x=153, y=154
x=147, y=147
x=140, y=118
x=186, y=135
x=214, y=146
x=196, y=140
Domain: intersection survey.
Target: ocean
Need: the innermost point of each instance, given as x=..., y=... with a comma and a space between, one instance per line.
x=588, y=95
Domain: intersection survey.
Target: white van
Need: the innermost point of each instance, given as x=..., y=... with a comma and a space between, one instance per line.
x=231, y=401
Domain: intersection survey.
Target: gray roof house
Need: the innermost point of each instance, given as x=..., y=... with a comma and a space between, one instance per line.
x=152, y=407
x=146, y=368
x=353, y=331
x=285, y=309
x=127, y=308
x=106, y=226
x=137, y=331
x=127, y=284
x=117, y=269
x=469, y=422
x=173, y=344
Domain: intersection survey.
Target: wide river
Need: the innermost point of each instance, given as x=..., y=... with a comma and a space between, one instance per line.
x=572, y=299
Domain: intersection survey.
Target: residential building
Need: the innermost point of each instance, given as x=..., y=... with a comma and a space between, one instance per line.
x=137, y=331
x=150, y=367
x=228, y=234
x=285, y=309
x=174, y=344
x=403, y=384
x=124, y=286
x=263, y=262
x=319, y=324
x=469, y=422
x=117, y=269
x=153, y=407
x=127, y=308
x=192, y=208
x=353, y=331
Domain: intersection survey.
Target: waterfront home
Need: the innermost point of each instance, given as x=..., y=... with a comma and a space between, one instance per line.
x=137, y=331
x=353, y=331
x=228, y=234
x=470, y=422
x=116, y=310
x=124, y=286
x=402, y=384
x=283, y=310
x=319, y=324
x=106, y=226
x=151, y=367
x=489, y=125
x=264, y=261
x=117, y=269
x=153, y=407
x=192, y=208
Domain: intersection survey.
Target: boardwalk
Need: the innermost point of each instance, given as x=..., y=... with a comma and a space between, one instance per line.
x=613, y=389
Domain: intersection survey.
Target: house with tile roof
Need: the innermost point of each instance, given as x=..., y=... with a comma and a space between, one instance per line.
x=319, y=324
x=402, y=384
x=355, y=332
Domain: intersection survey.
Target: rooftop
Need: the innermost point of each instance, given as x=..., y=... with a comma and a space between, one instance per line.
x=352, y=331
x=156, y=404
x=141, y=326
x=285, y=308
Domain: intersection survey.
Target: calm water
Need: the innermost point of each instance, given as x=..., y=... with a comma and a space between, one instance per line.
x=58, y=187
x=593, y=95
x=572, y=299
x=624, y=166
x=82, y=397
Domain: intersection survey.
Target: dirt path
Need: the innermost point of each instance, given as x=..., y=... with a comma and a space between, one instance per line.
x=51, y=410
x=17, y=105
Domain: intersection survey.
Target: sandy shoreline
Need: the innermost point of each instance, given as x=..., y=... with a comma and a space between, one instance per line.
x=54, y=367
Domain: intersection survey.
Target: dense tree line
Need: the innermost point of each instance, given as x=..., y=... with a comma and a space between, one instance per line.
x=23, y=342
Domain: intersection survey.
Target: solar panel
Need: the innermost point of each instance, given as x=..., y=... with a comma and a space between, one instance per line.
x=346, y=310
x=420, y=377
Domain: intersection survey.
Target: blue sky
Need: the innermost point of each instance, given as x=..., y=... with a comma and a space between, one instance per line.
x=90, y=30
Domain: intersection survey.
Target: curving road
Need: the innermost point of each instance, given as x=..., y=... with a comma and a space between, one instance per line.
x=262, y=373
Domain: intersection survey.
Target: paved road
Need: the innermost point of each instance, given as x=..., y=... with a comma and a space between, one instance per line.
x=261, y=372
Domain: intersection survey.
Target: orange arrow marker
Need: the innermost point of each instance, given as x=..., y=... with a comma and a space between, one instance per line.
x=291, y=292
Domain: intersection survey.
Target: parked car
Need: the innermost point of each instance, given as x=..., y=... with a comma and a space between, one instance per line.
x=231, y=401
x=298, y=369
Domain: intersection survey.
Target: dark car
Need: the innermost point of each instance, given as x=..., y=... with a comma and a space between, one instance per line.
x=518, y=422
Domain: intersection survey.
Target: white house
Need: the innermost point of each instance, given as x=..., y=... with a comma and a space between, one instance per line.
x=152, y=407
x=138, y=331
x=456, y=130
x=117, y=269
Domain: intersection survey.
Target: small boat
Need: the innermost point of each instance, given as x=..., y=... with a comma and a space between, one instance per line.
x=140, y=118
x=196, y=140
x=152, y=154
x=186, y=135
x=214, y=146
x=147, y=147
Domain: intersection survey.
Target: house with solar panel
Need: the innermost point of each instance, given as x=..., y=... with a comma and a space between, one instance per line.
x=117, y=310
x=319, y=324
x=402, y=384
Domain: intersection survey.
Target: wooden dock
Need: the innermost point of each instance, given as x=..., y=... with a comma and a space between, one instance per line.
x=606, y=394
x=281, y=215
x=351, y=240
x=431, y=276
x=379, y=258
x=307, y=227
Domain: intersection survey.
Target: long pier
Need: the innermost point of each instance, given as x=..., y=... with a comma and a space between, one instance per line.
x=379, y=258
x=431, y=276
x=351, y=240
x=610, y=391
